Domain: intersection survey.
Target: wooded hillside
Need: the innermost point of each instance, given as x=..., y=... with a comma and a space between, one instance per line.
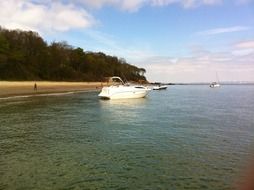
x=24, y=55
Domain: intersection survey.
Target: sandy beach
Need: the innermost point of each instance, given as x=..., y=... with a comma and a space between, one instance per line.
x=20, y=88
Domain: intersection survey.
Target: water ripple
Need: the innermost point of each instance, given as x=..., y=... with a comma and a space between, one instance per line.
x=188, y=137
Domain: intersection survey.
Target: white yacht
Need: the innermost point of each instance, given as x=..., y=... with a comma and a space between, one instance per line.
x=121, y=90
x=160, y=87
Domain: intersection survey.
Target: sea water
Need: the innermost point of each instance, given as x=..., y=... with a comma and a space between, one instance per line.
x=185, y=137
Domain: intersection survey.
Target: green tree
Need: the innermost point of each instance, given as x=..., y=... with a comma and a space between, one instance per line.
x=24, y=55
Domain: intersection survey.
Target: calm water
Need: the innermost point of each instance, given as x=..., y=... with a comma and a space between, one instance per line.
x=187, y=137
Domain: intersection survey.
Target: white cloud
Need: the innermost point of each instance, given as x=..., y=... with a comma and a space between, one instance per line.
x=242, y=52
x=127, y=5
x=196, y=3
x=243, y=2
x=243, y=48
x=63, y=15
x=55, y=16
x=185, y=3
x=216, y=31
x=245, y=44
x=200, y=67
x=96, y=3
x=134, y=5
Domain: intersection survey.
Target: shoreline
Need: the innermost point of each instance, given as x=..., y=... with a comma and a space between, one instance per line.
x=15, y=89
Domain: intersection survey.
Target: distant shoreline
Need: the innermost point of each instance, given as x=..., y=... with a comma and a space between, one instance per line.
x=209, y=84
x=15, y=89
x=222, y=83
x=10, y=89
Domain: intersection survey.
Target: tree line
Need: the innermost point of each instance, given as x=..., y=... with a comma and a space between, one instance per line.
x=24, y=55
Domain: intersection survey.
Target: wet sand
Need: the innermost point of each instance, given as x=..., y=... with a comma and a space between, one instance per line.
x=18, y=88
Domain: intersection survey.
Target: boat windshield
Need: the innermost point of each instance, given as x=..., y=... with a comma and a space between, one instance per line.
x=116, y=81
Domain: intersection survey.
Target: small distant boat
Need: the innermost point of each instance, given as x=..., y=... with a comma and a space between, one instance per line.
x=215, y=84
x=121, y=90
x=160, y=87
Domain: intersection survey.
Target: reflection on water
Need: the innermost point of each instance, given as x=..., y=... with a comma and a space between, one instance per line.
x=188, y=137
x=123, y=108
x=124, y=102
x=123, y=111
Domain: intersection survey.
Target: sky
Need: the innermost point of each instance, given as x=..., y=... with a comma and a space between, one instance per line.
x=174, y=40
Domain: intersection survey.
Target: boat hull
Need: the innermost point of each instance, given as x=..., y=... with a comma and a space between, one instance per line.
x=214, y=85
x=122, y=92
